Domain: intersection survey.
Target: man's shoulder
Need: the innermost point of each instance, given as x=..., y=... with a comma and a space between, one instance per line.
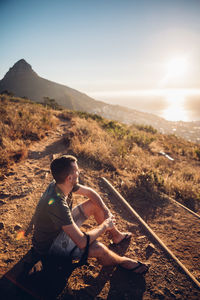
x=51, y=193
x=49, y=190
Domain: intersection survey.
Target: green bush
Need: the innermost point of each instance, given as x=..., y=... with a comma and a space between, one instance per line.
x=147, y=128
x=51, y=103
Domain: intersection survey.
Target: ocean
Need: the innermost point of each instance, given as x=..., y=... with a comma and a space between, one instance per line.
x=170, y=104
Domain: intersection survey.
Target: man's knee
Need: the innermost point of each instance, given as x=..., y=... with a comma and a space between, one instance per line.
x=88, y=208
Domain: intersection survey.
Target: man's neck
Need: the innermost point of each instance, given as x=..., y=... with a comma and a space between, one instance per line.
x=65, y=189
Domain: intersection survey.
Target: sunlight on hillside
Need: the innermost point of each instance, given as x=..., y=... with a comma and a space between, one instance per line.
x=175, y=110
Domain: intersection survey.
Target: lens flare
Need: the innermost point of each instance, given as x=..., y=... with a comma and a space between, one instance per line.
x=20, y=235
x=51, y=201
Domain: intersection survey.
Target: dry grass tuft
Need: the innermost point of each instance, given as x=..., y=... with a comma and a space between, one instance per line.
x=21, y=123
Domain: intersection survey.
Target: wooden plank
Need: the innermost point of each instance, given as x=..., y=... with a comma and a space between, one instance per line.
x=151, y=232
x=181, y=205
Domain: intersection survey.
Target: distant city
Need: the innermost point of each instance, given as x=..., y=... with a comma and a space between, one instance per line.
x=187, y=130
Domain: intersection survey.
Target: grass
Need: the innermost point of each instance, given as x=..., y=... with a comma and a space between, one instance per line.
x=127, y=154
x=132, y=154
x=21, y=123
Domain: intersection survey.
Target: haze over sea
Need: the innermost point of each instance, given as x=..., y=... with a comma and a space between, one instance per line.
x=170, y=104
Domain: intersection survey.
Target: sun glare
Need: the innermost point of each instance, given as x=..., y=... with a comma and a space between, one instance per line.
x=175, y=110
x=177, y=67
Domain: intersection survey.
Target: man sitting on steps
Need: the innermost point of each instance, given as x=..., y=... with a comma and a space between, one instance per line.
x=57, y=225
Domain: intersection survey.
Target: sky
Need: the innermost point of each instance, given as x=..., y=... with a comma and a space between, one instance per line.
x=143, y=54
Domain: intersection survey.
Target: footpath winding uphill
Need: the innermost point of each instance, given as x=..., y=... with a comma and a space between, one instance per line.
x=19, y=193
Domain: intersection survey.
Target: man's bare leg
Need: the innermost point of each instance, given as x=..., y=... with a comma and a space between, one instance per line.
x=107, y=257
x=91, y=210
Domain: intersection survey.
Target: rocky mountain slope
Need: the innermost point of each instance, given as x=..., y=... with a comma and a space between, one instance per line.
x=22, y=81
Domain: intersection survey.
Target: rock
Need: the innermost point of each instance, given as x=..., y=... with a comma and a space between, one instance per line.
x=150, y=249
x=3, y=195
x=39, y=172
x=1, y=225
x=9, y=260
x=44, y=176
x=159, y=294
x=122, y=183
x=30, y=180
x=10, y=173
x=177, y=291
x=141, y=237
x=17, y=227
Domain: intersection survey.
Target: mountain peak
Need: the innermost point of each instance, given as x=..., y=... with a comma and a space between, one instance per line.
x=20, y=68
x=21, y=63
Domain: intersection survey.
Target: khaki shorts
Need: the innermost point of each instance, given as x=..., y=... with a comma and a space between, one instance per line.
x=63, y=244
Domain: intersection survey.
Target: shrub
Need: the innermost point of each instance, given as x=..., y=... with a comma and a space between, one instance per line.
x=197, y=152
x=147, y=128
x=51, y=103
x=86, y=116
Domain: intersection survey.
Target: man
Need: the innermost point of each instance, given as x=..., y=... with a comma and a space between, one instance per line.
x=57, y=225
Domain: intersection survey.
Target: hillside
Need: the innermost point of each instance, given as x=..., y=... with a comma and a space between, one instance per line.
x=129, y=156
x=109, y=145
x=22, y=81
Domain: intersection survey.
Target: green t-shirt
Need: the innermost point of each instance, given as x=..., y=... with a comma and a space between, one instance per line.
x=52, y=212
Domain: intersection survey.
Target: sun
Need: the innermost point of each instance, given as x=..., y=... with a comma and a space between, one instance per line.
x=176, y=71
x=176, y=68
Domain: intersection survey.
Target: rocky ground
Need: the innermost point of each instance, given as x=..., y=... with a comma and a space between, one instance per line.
x=20, y=191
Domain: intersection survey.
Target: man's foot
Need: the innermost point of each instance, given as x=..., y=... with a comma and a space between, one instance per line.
x=122, y=236
x=137, y=267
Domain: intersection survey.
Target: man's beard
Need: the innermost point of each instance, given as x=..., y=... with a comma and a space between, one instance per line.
x=75, y=182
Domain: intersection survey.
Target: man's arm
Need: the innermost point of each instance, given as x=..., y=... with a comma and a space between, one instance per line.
x=79, y=238
x=94, y=197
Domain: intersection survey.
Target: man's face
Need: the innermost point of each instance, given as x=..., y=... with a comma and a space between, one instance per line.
x=75, y=174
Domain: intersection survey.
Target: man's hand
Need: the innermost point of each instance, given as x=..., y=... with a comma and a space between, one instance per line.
x=109, y=223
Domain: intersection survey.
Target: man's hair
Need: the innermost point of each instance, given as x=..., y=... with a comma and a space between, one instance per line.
x=61, y=167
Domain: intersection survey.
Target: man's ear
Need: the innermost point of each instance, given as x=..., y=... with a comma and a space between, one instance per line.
x=69, y=178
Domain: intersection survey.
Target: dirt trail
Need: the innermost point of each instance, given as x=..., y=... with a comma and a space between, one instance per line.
x=180, y=231
x=19, y=194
